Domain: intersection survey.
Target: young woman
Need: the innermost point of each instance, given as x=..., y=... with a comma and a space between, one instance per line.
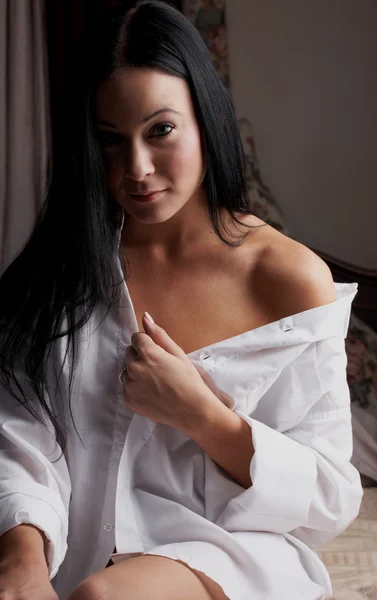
x=208, y=453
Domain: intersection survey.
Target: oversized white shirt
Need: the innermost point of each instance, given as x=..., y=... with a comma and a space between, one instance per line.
x=148, y=488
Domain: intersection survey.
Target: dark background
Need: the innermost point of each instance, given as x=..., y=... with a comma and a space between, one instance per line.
x=66, y=19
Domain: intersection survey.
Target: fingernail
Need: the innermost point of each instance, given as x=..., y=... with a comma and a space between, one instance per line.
x=148, y=317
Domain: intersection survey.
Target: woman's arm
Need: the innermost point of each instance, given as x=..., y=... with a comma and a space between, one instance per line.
x=23, y=545
x=303, y=482
x=23, y=566
x=303, y=281
x=227, y=439
x=35, y=487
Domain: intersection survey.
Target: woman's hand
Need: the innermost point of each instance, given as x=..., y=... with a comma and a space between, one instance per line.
x=162, y=384
x=25, y=582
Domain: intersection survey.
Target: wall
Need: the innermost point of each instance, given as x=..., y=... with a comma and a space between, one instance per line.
x=305, y=73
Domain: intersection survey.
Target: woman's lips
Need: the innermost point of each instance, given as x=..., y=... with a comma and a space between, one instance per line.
x=147, y=197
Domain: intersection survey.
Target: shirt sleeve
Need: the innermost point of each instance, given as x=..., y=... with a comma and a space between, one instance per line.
x=34, y=480
x=302, y=480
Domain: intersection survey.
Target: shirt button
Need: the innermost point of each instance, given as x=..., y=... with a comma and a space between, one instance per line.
x=108, y=527
x=120, y=446
x=21, y=516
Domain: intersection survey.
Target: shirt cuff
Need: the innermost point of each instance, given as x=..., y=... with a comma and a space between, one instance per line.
x=279, y=466
x=47, y=513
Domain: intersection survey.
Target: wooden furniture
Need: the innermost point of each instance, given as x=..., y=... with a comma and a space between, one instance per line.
x=365, y=303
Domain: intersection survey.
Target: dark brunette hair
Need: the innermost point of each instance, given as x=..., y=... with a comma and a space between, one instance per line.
x=51, y=289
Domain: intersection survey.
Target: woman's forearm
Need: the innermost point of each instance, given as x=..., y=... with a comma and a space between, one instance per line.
x=23, y=544
x=227, y=439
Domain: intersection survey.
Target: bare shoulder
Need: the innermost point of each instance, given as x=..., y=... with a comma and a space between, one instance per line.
x=289, y=278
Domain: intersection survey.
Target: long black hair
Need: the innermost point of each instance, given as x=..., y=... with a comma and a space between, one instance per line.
x=51, y=289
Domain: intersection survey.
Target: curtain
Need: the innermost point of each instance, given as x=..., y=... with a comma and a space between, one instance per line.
x=66, y=20
x=24, y=121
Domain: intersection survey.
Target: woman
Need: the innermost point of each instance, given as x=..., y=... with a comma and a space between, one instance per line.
x=206, y=453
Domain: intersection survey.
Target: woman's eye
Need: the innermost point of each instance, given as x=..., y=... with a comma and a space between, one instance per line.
x=107, y=138
x=162, y=129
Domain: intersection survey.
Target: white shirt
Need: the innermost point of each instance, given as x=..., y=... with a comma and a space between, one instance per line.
x=148, y=488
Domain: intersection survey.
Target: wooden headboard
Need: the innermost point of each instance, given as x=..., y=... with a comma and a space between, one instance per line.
x=365, y=304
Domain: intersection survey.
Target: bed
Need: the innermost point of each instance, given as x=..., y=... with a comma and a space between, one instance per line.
x=351, y=558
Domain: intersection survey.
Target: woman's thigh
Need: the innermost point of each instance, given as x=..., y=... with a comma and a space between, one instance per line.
x=148, y=578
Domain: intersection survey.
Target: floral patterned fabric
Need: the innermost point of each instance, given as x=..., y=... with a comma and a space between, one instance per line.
x=361, y=347
x=261, y=200
x=209, y=18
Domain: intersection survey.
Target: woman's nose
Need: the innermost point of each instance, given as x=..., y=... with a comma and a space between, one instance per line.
x=138, y=163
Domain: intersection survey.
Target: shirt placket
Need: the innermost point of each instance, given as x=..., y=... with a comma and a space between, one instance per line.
x=127, y=533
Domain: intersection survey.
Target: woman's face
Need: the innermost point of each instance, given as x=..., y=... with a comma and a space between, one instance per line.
x=150, y=141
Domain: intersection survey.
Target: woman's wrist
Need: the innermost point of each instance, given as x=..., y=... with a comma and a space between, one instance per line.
x=208, y=406
x=227, y=439
x=23, y=545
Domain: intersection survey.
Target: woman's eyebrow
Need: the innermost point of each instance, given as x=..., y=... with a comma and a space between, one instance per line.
x=161, y=110
x=144, y=120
